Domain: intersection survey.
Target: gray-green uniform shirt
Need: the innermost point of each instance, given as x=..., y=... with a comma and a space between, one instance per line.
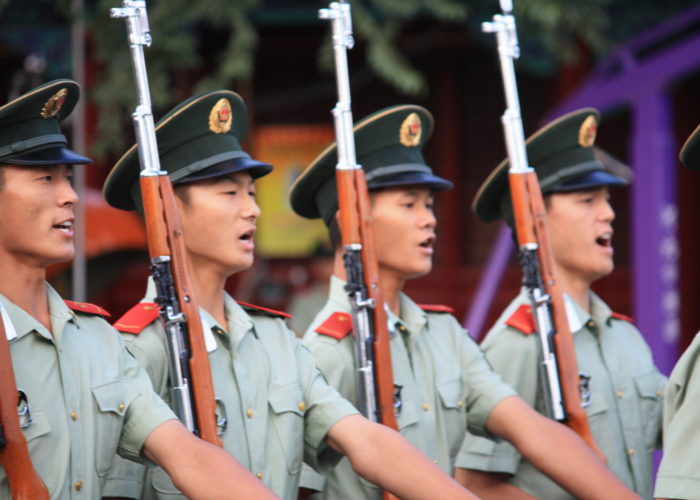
x=679, y=473
x=279, y=406
x=446, y=384
x=89, y=398
x=626, y=396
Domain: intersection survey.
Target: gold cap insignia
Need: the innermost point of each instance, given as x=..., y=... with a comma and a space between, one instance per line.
x=410, y=131
x=220, y=117
x=53, y=105
x=587, y=132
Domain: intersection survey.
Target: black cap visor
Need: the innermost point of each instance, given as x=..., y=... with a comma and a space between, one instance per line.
x=57, y=155
x=589, y=180
x=411, y=179
x=255, y=168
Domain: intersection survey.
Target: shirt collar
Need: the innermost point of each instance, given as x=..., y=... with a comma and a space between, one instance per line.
x=23, y=323
x=578, y=317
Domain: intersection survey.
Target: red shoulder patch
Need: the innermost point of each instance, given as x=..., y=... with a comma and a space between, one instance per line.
x=338, y=325
x=271, y=312
x=623, y=317
x=436, y=308
x=84, y=307
x=137, y=318
x=522, y=320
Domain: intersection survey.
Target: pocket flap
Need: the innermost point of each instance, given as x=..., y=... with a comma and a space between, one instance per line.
x=450, y=393
x=650, y=385
x=110, y=397
x=40, y=426
x=287, y=398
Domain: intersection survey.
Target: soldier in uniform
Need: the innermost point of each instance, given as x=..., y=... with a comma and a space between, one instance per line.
x=279, y=407
x=622, y=388
x=446, y=384
x=85, y=397
x=679, y=472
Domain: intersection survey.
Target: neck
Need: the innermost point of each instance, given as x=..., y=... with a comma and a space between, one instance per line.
x=24, y=285
x=576, y=288
x=390, y=283
x=208, y=284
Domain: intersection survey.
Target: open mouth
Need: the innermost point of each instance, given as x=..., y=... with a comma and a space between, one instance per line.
x=605, y=240
x=428, y=242
x=66, y=226
x=247, y=236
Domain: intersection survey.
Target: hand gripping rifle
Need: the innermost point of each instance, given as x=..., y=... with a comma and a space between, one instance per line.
x=25, y=483
x=191, y=386
x=559, y=372
x=374, y=377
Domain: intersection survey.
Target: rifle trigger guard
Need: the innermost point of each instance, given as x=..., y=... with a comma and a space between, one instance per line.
x=24, y=411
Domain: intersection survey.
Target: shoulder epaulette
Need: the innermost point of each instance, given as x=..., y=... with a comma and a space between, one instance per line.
x=338, y=325
x=251, y=308
x=623, y=317
x=86, y=308
x=137, y=318
x=522, y=320
x=436, y=308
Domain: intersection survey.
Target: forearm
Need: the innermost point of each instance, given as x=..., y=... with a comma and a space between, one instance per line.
x=556, y=451
x=199, y=469
x=490, y=485
x=385, y=458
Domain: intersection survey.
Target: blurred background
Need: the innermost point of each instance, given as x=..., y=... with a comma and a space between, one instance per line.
x=638, y=61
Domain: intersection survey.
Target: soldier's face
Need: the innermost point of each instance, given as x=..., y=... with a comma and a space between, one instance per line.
x=581, y=231
x=37, y=206
x=218, y=218
x=404, y=230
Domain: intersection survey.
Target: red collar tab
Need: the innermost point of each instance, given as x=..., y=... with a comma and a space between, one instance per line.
x=338, y=325
x=86, y=308
x=137, y=318
x=623, y=317
x=264, y=310
x=436, y=308
x=522, y=320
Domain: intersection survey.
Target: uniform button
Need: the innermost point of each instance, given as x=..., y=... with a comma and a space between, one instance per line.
x=434, y=460
x=302, y=406
x=74, y=416
x=459, y=404
x=426, y=406
x=122, y=406
x=259, y=475
x=590, y=324
x=658, y=394
x=249, y=413
x=619, y=394
x=630, y=451
x=78, y=485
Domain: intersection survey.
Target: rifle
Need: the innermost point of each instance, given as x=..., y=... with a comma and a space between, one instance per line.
x=191, y=386
x=558, y=370
x=374, y=376
x=25, y=483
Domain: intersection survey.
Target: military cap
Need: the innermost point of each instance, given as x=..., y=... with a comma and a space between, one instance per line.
x=690, y=152
x=563, y=156
x=388, y=145
x=198, y=139
x=30, y=133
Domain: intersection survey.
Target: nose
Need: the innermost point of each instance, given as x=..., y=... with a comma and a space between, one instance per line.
x=428, y=219
x=607, y=212
x=67, y=196
x=251, y=209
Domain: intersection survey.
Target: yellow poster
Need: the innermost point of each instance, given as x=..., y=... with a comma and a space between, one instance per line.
x=290, y=149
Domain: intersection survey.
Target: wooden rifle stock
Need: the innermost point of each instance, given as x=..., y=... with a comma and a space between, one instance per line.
x=165, y=238
x=25, y=483
x=531, y=227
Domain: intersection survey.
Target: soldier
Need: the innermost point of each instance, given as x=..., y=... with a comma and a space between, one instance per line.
x=679, y=472
x=86, y=397
x=279, y=407
x=446, y=384
x=622, y=386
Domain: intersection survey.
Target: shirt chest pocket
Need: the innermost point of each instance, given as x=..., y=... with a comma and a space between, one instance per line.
x=650, y=390
x=110, y=399
x=287, y=412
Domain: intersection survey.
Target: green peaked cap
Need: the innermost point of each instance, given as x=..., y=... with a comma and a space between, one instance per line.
x=199, y=138
x=30, y=131
x=563, y=157
x=388, y=145
x=690, y=152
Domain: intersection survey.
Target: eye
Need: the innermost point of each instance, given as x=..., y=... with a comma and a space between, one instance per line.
x=251, y=194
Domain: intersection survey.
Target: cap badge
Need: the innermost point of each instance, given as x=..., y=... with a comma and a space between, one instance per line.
x=587, y=132
x=410, y=131
x=220, y=117
x=53, y=105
